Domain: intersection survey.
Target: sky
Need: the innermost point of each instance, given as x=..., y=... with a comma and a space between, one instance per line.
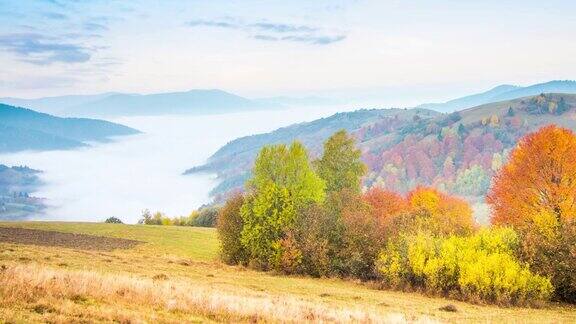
x=390, y=50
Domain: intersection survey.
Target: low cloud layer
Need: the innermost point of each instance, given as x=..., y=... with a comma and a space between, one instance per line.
x=274, y=32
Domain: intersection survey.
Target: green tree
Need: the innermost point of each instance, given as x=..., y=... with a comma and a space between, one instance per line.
x=287, y=167
x=229, y=226
x=283, y=182
x=473, y=181
x=340, y=165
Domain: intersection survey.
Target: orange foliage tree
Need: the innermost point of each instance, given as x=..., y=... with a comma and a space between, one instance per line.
x=439, y=212
x=385, y=203
x=535, y=192
x=385, y=206
x=424, y=208
x=539, y=181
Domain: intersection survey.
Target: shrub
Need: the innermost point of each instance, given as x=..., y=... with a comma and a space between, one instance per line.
x=166, y=221
x=113, y=220
x=157, y=219
x=206, y=217
x=478, y=267
x=551, y=251
x=229, y=227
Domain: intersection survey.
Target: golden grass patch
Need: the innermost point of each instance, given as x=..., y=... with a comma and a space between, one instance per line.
x=35, y=283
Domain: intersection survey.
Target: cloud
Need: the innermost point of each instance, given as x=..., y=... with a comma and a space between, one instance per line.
x=284, y=28
x=41, y=50
x=55, y=16
x=267, y=31
x=214, y=23
x=310, y=39
x=91, y=26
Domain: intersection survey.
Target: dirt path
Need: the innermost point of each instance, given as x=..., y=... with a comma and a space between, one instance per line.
x=68, y=240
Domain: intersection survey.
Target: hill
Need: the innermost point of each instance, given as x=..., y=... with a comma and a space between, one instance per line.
x=16, y=185
x=25, y=129
x=501, y=93
x=233, y=161
x=456, y=152
x=121, y=104
x=93, y=272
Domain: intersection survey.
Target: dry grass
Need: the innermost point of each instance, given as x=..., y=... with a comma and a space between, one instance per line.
x=32, y=283
x=186, y=259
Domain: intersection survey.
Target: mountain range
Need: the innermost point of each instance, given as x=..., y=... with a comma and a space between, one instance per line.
x=25, y=129
x=112, y=104
x=501, y=93
x=214, y=101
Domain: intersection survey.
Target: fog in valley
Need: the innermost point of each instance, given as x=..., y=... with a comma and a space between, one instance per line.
x=133, y=173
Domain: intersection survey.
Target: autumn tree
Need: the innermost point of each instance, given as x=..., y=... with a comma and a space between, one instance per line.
x=356, y=236
x=535, y=192
x=386, y=205
x=473, y=181
x=283, y=182
x=539, y=179
x=439, y=213
x=340, y=165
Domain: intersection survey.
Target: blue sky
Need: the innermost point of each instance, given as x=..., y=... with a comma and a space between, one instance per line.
x=400, y=50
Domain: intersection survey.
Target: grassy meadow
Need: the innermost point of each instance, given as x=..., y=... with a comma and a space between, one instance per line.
x=174, y=275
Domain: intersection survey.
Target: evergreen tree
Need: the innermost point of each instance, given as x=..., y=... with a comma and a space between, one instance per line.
x=510, y=112
x=461, y=130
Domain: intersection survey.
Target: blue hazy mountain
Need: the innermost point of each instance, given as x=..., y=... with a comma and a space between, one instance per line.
x=25, y=129
x=199, y=102
x=55, y=105
x=502, y=93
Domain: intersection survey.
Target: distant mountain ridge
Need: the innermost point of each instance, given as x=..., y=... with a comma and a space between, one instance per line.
x=25, y=129
x=55, y=105
x=501, y=93
x=199, y=102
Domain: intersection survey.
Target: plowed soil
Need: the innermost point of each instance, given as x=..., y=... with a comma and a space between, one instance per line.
x=67, y=240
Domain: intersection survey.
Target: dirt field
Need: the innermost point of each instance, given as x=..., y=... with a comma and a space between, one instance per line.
x=67, y=240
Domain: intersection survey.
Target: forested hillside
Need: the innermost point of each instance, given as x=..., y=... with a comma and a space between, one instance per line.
x=456, y=152
x=16, y=185
x=25, y=129
x=233, y=161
